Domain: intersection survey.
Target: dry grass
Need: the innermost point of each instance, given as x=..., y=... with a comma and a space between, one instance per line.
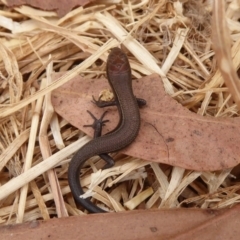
x=167, y=37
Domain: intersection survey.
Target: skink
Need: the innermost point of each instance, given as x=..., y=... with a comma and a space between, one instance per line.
x=119, y=78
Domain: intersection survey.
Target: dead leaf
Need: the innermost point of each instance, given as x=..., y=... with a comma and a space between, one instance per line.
x=62, y=7
x=169, y=132
x=174, y=224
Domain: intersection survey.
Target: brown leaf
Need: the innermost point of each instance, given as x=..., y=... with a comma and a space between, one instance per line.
x=62, y=7
x=174, y=224
x=169, y=132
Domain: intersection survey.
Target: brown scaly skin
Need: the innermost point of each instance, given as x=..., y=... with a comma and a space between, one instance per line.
x=119, y=77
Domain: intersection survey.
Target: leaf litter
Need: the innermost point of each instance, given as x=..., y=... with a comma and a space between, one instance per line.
x=172, y=39
x=169, y=133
